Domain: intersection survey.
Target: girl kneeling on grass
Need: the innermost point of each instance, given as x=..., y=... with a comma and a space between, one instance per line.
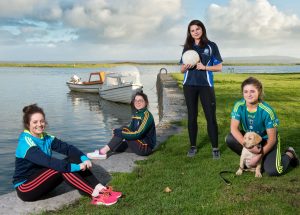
x=253, y=114
x=37, y=172
x=140, y=136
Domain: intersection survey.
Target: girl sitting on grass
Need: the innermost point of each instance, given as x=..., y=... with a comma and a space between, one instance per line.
x=37, y=172
x=253, y=114
x=140, y=136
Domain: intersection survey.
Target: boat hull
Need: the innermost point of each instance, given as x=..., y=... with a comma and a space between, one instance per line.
x=122, y=94
x=83, y=88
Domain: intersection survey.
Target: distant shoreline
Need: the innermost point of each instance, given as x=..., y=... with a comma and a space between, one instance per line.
x=108, y=65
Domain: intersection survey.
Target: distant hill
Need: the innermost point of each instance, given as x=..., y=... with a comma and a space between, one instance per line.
x=262, y=60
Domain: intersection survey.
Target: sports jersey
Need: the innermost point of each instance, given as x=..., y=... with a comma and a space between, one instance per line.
x=142, y=126
x=34, y=153
x=259, y=121
x=209, y=56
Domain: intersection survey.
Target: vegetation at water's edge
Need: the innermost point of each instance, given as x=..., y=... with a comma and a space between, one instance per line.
x=195, y=182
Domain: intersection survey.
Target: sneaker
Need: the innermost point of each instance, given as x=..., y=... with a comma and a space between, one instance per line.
x=96, y=155
x=192, y=151
x=111, y=192
x=295, y=160
x=216, y=154
x=104, y=199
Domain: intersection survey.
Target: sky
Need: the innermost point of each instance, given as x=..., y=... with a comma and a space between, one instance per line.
x=144, y=30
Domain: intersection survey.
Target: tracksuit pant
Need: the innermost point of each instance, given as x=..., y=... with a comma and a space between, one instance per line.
x=139, y=147
x=274, y=164
x=208, y=101
x=45, y=180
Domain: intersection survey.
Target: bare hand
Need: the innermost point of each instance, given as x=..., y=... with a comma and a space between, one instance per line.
x=253, y=161
x=88, y=164
x=187, y=66
x=200, y=66
x=82, y=166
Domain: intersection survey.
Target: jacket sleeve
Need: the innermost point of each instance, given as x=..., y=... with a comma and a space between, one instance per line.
x=142, y=130
x=38, y=157
x=66, y=149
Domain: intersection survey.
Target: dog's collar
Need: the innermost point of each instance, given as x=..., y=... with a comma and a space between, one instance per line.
x=251, y=147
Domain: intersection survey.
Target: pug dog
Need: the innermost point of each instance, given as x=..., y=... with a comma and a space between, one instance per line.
x=251, y=140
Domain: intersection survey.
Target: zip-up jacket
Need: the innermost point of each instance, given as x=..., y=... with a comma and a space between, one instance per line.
x=142, y=127
x=34, y=153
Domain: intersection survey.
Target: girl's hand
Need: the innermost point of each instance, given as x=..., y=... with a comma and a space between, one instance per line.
x=253, y=161
x=88, y=164
x=200, y=66
x=82, y=166
x=187, y=66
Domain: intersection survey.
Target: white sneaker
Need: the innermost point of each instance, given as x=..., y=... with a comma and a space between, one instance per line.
x=96, y=155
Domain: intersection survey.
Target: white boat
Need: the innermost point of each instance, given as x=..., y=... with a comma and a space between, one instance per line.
x=121, y=84
x=96, y=79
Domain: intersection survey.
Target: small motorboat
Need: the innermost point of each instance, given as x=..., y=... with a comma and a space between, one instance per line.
x=96, y=79
x=121, y=84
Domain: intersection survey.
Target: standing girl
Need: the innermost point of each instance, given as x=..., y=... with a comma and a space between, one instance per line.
x=253, y=114
x=139, y=136
x=37, y=172
x=198, y=82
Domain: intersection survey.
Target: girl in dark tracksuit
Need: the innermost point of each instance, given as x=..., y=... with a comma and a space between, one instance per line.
x=139, y=136
x=198, y=83
x=37, y=172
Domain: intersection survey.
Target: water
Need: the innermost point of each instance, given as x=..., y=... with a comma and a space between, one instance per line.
x=83, y=120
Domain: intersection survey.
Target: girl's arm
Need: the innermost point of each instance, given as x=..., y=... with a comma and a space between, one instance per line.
x=214, y=68
x=185, y=67
x=234, y=129
x=271, y=132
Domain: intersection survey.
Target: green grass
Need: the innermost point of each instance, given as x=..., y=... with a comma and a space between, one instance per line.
x=195, y=182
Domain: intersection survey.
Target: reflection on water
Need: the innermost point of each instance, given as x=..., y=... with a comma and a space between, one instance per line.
x=108, y=110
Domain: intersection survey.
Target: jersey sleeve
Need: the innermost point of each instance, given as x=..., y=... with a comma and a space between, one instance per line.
x=236, y=111
x=216, y=56
x=271, y=120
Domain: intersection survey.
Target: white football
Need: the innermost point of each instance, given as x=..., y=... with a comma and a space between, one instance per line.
x=190, y=57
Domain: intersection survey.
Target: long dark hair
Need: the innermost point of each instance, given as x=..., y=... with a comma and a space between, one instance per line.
x=145, y=97
x=257, y=84
x=28, y=111
x=189, y=42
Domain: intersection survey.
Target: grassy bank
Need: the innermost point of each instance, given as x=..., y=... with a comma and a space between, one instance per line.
x=195, y=182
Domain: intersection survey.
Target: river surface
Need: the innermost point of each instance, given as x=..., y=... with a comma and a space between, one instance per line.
x=83, y=120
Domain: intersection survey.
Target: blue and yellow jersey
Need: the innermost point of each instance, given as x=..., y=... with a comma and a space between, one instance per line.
x=259, y=121
x=142, y=127
x=209, y=56
x=34, y=153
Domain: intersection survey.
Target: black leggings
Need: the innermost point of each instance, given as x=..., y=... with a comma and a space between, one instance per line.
x=274, y=164
x=208, y=101
x=45, y=180
x=139, y=147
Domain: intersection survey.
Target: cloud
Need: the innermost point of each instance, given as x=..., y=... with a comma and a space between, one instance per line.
x=250, y=25
x=39, y=22
x=122, y=20
x=117, y=28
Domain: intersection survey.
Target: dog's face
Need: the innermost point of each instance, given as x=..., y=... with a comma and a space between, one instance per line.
x=251, y=139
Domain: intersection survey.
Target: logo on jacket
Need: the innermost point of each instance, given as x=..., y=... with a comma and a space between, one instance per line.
x=206, y=51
